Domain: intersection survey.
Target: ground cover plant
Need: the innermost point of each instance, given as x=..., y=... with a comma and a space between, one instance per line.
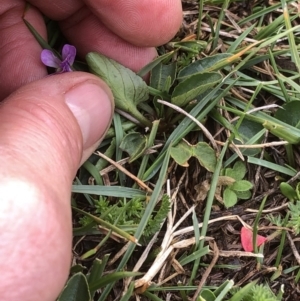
x=194, y=194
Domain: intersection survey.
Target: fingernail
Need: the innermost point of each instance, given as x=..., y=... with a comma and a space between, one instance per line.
x=93, y=109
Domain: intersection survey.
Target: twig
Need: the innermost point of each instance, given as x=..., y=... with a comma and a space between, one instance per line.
x=125, y=171
x=201, y=126
x=207, y=272
x=293, y=247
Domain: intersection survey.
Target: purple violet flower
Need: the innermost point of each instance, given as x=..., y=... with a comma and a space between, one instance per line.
x=68, y=56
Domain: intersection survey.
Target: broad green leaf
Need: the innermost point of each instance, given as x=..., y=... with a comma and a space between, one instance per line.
x=194, y=85
x=204, y=65
x=229, y=198
x=290, y=113
x=243, y=195
x=288, y=191
x=238, y=171
x=247, y=130
x=76, y=289
x=134, y=144
x=163, y=76
x=128, y=88
x=241, y=185
x=77, y=268
x=181, y=153
x=205, y=155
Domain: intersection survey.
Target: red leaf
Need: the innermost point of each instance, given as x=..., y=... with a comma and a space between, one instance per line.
x=247, y=239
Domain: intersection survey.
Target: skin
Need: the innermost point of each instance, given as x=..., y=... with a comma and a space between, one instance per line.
x=50, y=125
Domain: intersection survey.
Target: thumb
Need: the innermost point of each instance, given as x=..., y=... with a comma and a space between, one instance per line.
x=57, y=120
x=47, y=128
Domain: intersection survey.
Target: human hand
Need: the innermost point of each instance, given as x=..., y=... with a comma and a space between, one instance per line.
x=53, y=123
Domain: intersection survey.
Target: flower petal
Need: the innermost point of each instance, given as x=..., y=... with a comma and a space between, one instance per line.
x=49, y=59
x=69, y=53
x=247, y=239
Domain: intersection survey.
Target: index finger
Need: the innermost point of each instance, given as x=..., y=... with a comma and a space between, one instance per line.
x=19, y=51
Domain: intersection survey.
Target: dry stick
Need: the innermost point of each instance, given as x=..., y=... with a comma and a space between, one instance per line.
x=262, y=145
x=141, y=260
x=207, y=272
x=226, y=218
x=174, y=195
x=268, y=210
x=119, y=254
x=125, y=171
x=238, y=254
x=166, y=249
x=201, y=126
x=148, y=151
x=293, y=247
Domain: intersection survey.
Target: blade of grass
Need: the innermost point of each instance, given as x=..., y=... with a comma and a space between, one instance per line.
x=255, y=225
x=186, y=125
x=218, y=26
x=119, y=136
x=114, y=191
x=108, y=225
x=273, y=166
x=209, y=203
x=147, y=214
x=292, y=43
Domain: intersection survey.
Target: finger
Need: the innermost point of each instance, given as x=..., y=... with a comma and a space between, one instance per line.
x=44, y=127
x=88, y=33
x=140, y=22
x=19, y=51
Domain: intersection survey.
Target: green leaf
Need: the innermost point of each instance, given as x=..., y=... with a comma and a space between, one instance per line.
x=205, y=155
x=163, y=76
x=207, y=295
x=282, y=131
x=194, y=255
x=243, y=195
x=240, y=170
x=289, y=113
x=110, y=278
x=128, y=88
x=229, y=198
x=181, y=153
x=152, y=64
x=241, y=185
x=207, y=64
x=134, y=144
x=194, y=85
x=288, y=191
x=96, y=271
x=243, y=292
x=247, y=130
x=298, y=191
x=76, y=289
